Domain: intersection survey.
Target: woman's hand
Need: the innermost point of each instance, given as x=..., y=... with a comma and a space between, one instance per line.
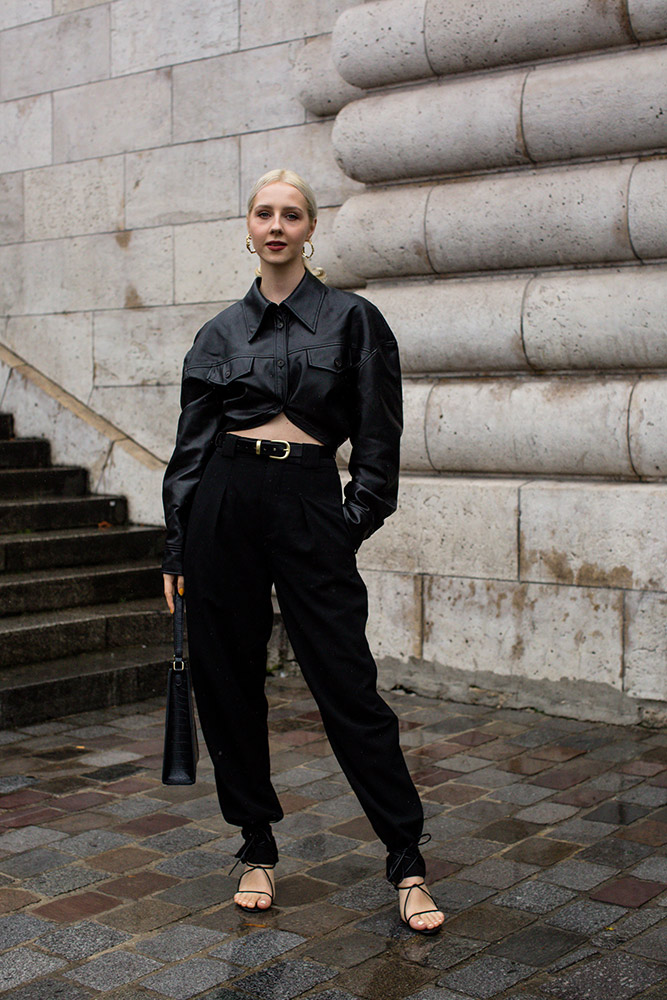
x=171, y=584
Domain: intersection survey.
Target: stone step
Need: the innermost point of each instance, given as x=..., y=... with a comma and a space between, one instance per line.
x=66, y=481
x=33, y=638
x=25, y=453
x=6, y=426
x=48, y=590
x=39, y=691
x=61, y=512
x=79, y=547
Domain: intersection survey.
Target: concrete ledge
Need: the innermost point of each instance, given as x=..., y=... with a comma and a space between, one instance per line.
x=317, y=83
x=78, y=436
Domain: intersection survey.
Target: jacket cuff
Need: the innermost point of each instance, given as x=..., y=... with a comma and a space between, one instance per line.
x=359, y=521
x=172, y=561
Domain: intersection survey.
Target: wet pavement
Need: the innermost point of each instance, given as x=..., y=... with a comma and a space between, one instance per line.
x=548, y=854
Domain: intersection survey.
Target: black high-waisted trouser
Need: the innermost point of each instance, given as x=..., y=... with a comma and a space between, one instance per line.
x=258, y=521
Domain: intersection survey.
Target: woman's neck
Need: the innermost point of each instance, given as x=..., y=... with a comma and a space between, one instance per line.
x=276, y=284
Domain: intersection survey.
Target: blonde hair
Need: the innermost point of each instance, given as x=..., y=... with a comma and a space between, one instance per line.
x=286, y=176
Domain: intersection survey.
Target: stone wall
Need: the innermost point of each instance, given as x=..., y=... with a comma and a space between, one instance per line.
x=494, y=177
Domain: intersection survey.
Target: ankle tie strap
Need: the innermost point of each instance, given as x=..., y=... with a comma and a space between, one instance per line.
x=259, y=848
x=401, y=864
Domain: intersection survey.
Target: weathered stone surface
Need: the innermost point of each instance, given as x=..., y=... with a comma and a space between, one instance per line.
x=98, y=119
x=131, y=471
x=597, y=106
x=60, y=346
x=128, y=269
x=40, y=414
x=264, y=24
x=646, y=646
x=207, y=95
x=456, y=325
x=529, y=219
x=306, y=149
x=395, y=613
x=648, y=19
x=648, y=209
x=148, y=413
x=211, y=262
x=145, y=36
x=647, y=427
x=327, y=256
x=184, y=183
x=549, y=426
x=145, y=346
x=370, y=241
x=468, y=124
x=454, y=526
x=414, y=447
x=316, y=82
x=53, y=53
x=472, y=34
x=381, y=42
x=25, y=133
x=15, y=12
x=600, y=319
x=11, y=208
x=64, y=6
x=595, y=534
x=75, y=198
x=543, y=632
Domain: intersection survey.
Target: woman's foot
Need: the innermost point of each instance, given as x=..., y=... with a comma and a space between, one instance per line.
x=417, y=908
x=256, y=888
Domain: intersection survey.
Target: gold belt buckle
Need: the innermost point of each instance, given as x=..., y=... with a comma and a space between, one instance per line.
x=279, y=458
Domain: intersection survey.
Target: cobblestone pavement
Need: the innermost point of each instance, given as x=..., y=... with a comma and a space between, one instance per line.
x=547, y=853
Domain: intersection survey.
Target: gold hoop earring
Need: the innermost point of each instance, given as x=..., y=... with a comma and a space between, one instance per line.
x=305, y=255
x=248, y=246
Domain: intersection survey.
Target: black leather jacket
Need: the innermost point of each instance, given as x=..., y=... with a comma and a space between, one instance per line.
x=324, y=357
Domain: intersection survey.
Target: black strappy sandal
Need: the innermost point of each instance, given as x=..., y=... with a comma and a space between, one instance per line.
x=402, y=910
x=259, y=892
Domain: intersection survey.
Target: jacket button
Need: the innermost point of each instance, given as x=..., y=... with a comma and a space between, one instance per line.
x=338, y=363
x=227, y=372
x=279, y=322
x=281, y=363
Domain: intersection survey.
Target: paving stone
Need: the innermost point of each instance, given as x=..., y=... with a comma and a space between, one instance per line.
x=285, y=980
x=50, y=989
x=582, y=831
x=648, y=831
x=490, y=777
x=498, y=872
x=645, y=795
x=62, y=880
x=346, y=871
x=21, y=965
x=191, y=864
x=451, y=949
x=651, y=945
x=330, y=995
x=538, y=945
x=573, y=957
x=586, y=916
x=77, y=906
x=629, y=927
x=299, y=890
x=617, y=813
x=144, y=916
x=446, y=827
x=115, y=968
x=365, y=896
x=488, y=923
x=387, y=976
x=578, y=874
x=452, y=895
x=654, y=869
x=21, y=927
x=182, y=839
x=178, y=943
x=616, y=853
x=540, y=851
x=132, y=808
x=535, y=897
x=190, y=978
x=508, y=831
x=123, y=859
x=487, y=976
x=320, y=846
x=345, y=950
x=82, y=940
x=200, y=893
x=34, y=862
x=93, y=842
x=257, y=948
x=522, y=795
x=19, y=841
x=468, y=850
x=546, y=813
x=629, y=891
x=613, y=781
x=618, y=976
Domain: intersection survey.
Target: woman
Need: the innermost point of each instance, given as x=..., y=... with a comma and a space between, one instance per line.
x=271, y=387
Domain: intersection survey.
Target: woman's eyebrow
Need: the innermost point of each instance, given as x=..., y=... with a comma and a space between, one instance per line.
x=286, y=208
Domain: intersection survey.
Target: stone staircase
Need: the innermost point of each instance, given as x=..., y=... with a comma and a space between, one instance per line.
x=82, y=622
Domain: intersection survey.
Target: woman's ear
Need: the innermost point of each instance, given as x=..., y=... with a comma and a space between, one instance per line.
x=310, y=234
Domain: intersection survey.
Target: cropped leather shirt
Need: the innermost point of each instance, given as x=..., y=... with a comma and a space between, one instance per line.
x=325, y=358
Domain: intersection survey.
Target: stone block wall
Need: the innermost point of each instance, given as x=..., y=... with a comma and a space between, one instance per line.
x=494, y=177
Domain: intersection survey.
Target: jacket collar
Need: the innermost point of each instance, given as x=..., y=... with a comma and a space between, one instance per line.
x=304, y=303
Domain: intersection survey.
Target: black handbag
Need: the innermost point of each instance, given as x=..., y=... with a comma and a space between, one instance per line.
x=181, y=748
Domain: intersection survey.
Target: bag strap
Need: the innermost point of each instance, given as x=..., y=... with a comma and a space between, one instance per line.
x=179, y=603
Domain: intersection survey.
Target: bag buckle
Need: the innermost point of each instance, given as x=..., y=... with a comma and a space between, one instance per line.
x=286, y=444
x=178, y=659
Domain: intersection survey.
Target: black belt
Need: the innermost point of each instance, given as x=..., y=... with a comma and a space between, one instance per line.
x=290, y=451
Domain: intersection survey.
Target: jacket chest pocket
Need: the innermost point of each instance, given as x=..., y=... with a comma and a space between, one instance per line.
x=230, y=370
x=338, y=358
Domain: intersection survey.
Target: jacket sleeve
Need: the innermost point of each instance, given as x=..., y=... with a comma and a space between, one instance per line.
x=371, y=494
x=199, y=422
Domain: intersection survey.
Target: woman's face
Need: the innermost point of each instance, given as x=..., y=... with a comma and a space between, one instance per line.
x=279, y=223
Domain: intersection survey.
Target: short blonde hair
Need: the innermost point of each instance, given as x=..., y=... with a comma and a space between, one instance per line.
x=287, y=177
